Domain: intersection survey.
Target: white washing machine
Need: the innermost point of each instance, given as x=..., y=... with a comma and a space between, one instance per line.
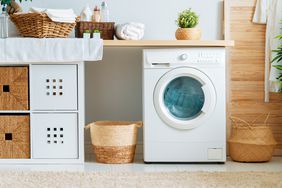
x=184, y=105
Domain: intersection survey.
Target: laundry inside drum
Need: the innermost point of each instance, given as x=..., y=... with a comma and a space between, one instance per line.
x=184, y=98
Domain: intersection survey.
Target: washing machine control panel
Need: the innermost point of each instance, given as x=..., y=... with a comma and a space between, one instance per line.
x=166, y=58
x=200, y=58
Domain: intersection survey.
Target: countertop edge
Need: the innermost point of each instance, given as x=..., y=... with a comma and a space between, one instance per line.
x=169, y=43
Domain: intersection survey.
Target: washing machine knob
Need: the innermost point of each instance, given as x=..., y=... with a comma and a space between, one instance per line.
x=183, y=57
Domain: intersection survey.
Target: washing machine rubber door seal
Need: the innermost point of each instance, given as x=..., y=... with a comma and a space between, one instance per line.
x=206, y=109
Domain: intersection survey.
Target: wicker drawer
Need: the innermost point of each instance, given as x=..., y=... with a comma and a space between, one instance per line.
x=15, y=136
x=14, y=88
x=55, y=136
x=54, y=87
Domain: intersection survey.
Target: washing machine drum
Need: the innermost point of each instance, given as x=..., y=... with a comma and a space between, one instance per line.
x=184, y=98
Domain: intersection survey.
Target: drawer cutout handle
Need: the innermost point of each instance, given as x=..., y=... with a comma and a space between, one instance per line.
x=6, y=88
x=8, y=136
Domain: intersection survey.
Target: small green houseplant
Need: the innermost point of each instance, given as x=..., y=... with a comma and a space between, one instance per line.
x=278, y=59
x=11, y=6
x=97, y=34
x=8, y=2
x=187, y=22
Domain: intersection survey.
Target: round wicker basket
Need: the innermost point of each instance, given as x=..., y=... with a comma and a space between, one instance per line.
x=250, y=142
x=188, y=34
x=114, y=142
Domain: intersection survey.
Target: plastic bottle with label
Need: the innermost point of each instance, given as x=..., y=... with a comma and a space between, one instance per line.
x=86, y=14
x=97, y=14
x=105, y=13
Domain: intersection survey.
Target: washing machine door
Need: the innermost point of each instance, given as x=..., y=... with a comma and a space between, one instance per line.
x=184, y=98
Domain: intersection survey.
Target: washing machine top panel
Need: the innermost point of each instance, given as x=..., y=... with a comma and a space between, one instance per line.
x=184, y=98
x=192, y=57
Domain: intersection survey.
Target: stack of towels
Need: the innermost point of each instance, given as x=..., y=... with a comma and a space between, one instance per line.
x=57, y=15
x=130, y=31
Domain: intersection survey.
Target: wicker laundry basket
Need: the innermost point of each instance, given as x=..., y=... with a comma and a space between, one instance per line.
x=250, y=142
x=39, y=25
x=114, y=142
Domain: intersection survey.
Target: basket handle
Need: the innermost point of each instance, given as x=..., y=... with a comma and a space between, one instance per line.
x=88, y=126
x=236, y=119
x=261, y=115
x=138, y=124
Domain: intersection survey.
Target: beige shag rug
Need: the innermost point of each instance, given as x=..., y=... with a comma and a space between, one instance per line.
x=139, y=179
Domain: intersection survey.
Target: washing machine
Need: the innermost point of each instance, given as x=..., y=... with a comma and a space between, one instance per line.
x=184, y=105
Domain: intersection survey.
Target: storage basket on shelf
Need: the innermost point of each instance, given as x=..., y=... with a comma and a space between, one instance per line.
x=15, y=137
x=250, y=142
x=39, y=25
x=14, y=88
x=107, y=29
x=114, y=142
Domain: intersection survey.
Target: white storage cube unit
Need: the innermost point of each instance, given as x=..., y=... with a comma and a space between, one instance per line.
x=56, y=101
x=54, y=104
x=54, y=136
x=53, y=87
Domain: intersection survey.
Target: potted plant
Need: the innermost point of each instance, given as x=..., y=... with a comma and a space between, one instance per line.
x=97, y=34
x=278, y=59
x=187, y=22
x=11, y=6
x=87, y=34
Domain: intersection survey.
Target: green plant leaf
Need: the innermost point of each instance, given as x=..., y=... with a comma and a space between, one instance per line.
x=278, y=59
x=187, y=19
x=279, y=67
x=8, y=2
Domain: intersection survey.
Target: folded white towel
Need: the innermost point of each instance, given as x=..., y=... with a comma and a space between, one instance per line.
x=36, y=10
x=57, y=15
x=130, y=31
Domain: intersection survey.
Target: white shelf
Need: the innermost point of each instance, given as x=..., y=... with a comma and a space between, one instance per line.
x=168, y=43
x=14, y=112
x=52, y=111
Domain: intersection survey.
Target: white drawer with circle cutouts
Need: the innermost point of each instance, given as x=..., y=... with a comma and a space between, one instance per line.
x=54, y=136
x=53, y=87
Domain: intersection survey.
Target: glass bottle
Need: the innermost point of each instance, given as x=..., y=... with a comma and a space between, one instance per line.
x=4, y=23
x=105, y=13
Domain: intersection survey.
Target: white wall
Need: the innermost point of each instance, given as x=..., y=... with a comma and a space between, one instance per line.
x=114, y=85
x=158, y=15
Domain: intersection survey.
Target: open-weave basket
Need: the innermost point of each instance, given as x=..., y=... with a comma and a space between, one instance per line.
x=106, y=29
x=114, y=142
x=39, y=25
x=250, y=142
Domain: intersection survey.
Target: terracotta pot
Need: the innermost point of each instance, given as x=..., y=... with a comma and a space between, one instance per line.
x=188, y=34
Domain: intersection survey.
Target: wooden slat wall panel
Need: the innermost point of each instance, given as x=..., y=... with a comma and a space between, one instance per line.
x=246, y=68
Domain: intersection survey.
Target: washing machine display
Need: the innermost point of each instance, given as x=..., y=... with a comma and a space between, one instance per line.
x=184, y=98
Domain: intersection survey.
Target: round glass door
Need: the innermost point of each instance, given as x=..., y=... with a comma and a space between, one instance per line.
x=184, y=98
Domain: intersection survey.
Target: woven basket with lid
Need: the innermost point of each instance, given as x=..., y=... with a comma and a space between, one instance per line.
x=250, y=142
x=114, y=142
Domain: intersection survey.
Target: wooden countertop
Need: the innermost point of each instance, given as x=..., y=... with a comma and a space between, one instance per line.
x=168, y=43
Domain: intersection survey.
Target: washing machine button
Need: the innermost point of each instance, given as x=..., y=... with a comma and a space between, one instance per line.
x=183, y=57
